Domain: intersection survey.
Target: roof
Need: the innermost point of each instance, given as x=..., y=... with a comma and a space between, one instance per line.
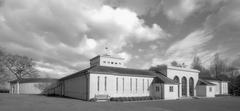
x=213, y=79
x=121, y=71
x=205, y=83
x=183, y=69
x=32, y=80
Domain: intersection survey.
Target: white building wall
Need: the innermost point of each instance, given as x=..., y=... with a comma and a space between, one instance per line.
x=221, y=87
x=205, y=91
x=168, y=94
x=76, y=87
x=210, y=93
x=29, y=88
x=217, y=87
x=180, y=73
x=123, y=91
x=224, y=85
x=113, y=62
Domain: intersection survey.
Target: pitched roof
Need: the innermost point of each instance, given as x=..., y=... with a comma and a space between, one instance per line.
x=203, y=82
x=121, y=71
x=213, y=79
x=32, y=80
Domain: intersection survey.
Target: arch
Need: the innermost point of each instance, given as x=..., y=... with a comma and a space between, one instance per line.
x=184, y=86
x=191, y=86
x=176, y=79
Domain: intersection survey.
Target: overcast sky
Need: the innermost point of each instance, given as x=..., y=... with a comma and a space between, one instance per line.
x=62, y=35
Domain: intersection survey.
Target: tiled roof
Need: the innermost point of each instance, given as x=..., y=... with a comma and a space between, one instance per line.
x=30, y=80
x=117, y=70
x=121, y=71
x=203, y=82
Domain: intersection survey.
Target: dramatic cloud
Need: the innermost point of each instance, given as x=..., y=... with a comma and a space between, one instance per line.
x=66, y=33
x=184, y=50
x=179, y=10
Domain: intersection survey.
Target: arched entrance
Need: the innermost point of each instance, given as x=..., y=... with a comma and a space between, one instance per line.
x=176, y=79
x=184, y=86
x=191, y=87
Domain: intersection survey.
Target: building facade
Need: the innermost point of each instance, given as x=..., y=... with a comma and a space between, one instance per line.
x=107, y=76
x=30, y=85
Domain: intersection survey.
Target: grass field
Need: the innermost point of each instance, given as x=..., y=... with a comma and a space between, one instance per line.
x=10, y=102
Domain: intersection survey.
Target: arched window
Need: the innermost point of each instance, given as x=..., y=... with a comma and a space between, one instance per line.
x=191, y=86
x=184, y=86
x=176, y=79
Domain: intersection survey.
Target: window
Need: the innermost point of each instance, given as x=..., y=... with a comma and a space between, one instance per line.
x=98, y=83
x=123, y=83
x=131, y=84
x=210, y=89
x=143, y=84
x=136, y=84
x=111, y=62
x=170, y=88
x=104, y=61
x=108, y=62
x=157, y=88
x=115, y=62
x=120, y=63
x=148, y=85
x=105, y=84
x=116, y=84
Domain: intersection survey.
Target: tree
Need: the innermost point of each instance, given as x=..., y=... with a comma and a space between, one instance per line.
x=20, y=66
x=196, y=64
x=218, y=66
x=174, y=63
x=159, y=68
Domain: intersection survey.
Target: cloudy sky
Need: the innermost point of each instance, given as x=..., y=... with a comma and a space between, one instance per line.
x=62, y=35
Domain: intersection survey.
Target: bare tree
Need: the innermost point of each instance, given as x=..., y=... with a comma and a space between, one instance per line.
x=218, y=66
x=20, y=66
x=159, y=68
x=196, y=64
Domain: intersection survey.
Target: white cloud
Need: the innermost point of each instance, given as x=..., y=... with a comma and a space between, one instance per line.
x=61, y=32
x=126, y=56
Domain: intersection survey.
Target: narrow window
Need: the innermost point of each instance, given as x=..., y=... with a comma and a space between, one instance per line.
x=148, y=85
x=170, y=88
x=136, y=84
x=98, y=82
x=116, y=84
x=123, y=84
x=105, y=83
x=143, y=84
x=157, y=88
x=131, y=84
x=210, y=89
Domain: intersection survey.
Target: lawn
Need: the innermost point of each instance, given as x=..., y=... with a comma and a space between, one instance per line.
x=9, y=102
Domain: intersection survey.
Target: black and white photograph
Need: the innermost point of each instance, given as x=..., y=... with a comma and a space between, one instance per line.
x=119, y=55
